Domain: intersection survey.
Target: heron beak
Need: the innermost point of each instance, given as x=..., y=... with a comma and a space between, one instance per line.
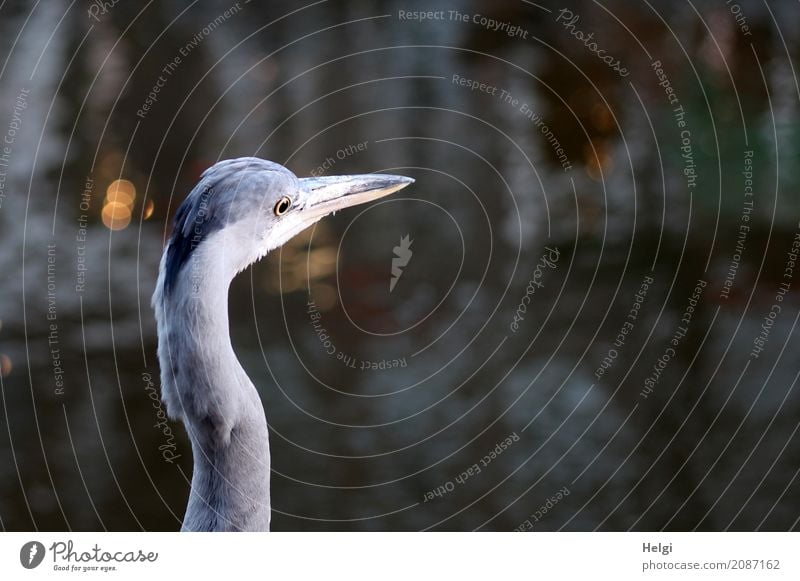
x=332, y=193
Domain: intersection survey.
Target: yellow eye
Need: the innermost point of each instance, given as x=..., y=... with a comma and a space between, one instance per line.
x=283, y=206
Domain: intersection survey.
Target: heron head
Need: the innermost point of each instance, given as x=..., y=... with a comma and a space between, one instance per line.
x=243, y=208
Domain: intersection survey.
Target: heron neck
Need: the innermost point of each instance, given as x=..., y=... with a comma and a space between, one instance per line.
x=223, y=414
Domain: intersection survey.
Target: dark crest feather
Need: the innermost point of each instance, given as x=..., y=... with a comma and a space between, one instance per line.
x=186, y=237
x=204, y=211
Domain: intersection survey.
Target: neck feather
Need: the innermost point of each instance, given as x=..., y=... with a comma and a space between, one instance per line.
x=204, y=385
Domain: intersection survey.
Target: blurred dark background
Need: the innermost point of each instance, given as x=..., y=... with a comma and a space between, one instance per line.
x=580, y=158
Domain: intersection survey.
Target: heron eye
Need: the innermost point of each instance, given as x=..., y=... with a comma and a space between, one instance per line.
x=283, y=206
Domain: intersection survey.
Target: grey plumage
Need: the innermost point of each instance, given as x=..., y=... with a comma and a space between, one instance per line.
x=228, y=221
x=205, y=211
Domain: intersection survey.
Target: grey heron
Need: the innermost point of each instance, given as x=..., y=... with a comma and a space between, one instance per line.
x=239, y=211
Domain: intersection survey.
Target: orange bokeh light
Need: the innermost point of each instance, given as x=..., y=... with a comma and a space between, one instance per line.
x=116, y=215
